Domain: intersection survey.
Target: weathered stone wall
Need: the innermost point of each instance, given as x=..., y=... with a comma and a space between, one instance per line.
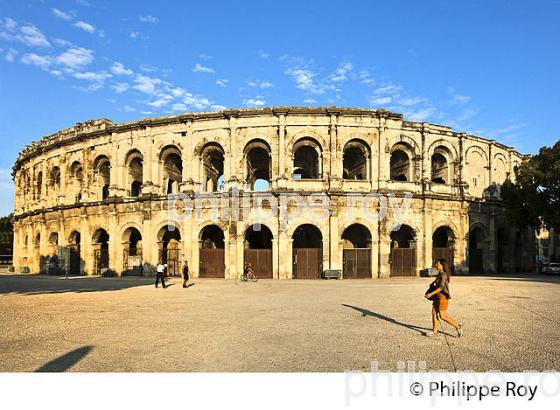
x=74, y=198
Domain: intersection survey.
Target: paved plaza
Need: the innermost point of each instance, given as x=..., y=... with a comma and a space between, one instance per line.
x=125, y=324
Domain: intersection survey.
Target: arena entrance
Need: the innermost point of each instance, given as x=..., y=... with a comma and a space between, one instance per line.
x=211, y=253
x=258, y=250
x=307, y=252
x=476, y=253
x=132, y=252
x=403, y=252
x=74, y=247
x=443, y=242
x=169, y=240
x=100, y=251
x=356, y=253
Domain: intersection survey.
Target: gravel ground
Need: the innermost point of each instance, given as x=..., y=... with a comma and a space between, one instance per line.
x=126, y=325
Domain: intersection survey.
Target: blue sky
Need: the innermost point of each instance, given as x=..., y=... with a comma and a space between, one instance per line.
x=485, y=67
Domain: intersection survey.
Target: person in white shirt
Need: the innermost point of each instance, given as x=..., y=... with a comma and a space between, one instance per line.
x=160, y=270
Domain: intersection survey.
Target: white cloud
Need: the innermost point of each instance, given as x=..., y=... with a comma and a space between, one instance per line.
x=409, y=101
x=120, y=87
x=82, y=25
x=119, y=69
x=27, y=34
x=222, y=82
x=100, y=76
x=420, y=115
x=10, y=55
x=134, y=34
x=380, y=100
x=196, y=102
x=61, y=14
x=264, y=55
x=145, y=84
x=341, y=71
x=218, y=107
x=199, y=68
x=390, y=89
x=254, y=102
x=158, y=103
x=179, y=107
x=205, y=56
x=127, y=108
x=75, y=58
x=261, y=84
x=309, y=101
x=36, y=60
x=148, y=19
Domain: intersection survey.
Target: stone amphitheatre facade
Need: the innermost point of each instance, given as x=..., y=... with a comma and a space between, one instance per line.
x=103, y=198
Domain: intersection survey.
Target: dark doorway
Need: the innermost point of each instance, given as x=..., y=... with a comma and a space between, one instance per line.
x=132, y=252
x=169, y=239
x=443, y=242
x=101, y=251
x=307, y=251
x=356, y=253
x=258, y=250
x=476, y=255
x=212, y=252
x=75, y=258
x=403, y=252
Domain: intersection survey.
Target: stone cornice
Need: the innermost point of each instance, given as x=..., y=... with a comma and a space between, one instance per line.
x=105, y=127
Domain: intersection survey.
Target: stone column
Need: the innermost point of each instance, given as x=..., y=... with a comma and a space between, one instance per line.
x=384, y=249
x=284, y=255
x=115, y=251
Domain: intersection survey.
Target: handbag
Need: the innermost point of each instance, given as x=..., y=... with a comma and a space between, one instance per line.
x=431, y=288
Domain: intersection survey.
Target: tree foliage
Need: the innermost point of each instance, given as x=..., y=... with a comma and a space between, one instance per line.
x=6, y=233
x=534, y=199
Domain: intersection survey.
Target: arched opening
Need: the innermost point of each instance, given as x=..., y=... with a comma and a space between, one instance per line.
x=132, y=252
x=100, y=242
x=212, y=252
x=355, y=161
x=307, y=251
x=356, y=252
x=169, y=240
x=400, y=166
x=258, y=250
x=39, y=184
x=39, y=262
x=54, y=178
x=74, y=242
x=443, y=246
x=76, y=180
x=403, y=252
x=257, y=157
x=440, y=169
x=307, y=159
x=212, y=157
x=102, y=172
x=135, y=167
x=476, y=250
x=172, y=169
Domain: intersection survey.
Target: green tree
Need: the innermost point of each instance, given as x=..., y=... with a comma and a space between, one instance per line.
x=6, y=234
x=534, y=198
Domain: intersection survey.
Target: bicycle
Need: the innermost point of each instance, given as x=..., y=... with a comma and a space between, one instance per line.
x=249, y=276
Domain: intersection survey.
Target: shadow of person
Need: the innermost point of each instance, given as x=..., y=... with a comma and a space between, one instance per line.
x=64, y=362
x=365, y=312
x=189, y=285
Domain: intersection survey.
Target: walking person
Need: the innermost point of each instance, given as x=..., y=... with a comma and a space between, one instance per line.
x=438, y=293
x=185, y=274
x=160, y=271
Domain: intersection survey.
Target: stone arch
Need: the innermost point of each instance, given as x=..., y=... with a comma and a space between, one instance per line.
x=356, y=252
x=212, y=157
x=257, y=250
x=500, y=170
x=439, y=143
x=356, y=160
x=403, y=251
x=257, y=163
x=102, y=175
x=476, y=170
x=307, y=133
x=307, y=251
x=54, y=177
x=307, y=158
x=401, y=162
x=171, y=168
x=134, y=164
x=442, y=160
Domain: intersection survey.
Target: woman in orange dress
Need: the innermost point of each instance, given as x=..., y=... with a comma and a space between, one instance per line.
x=440, y=297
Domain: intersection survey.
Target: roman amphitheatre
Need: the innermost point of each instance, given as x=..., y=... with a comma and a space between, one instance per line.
x=94, y=199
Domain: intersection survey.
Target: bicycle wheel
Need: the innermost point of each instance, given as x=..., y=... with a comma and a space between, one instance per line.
x=254, y=278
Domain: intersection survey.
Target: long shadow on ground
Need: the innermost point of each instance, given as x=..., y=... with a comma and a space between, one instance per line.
x=38, y=285
x=64, y=362
x=366, y=312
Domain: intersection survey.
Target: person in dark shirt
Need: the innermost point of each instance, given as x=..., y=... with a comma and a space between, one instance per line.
x=185, y=274
x=439, y=294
